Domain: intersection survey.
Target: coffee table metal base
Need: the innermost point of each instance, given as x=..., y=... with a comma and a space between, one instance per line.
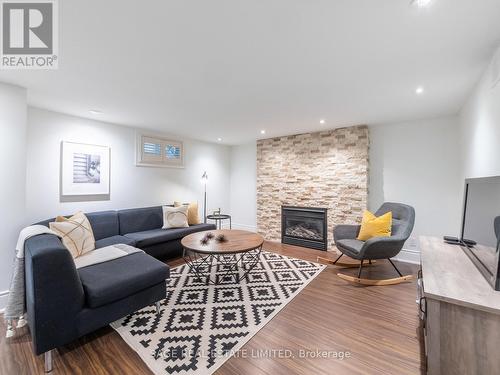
x=229, y=266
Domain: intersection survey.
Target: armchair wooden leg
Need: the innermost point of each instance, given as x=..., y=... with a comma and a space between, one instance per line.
x=322, y=259
x=359, y=280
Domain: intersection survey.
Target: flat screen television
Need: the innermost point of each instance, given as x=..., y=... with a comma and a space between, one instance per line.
x=480, y=237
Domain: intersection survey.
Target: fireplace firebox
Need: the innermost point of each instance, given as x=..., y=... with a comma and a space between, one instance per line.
x=304, y=226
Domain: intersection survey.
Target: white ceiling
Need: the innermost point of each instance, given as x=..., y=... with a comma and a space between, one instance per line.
x=229, y=68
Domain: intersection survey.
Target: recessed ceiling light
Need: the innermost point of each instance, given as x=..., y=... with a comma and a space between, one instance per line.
x=219, y=139
x=419, y=90
x=95, y=112
x=322, y=121
x=421, y=3
x=262, y=131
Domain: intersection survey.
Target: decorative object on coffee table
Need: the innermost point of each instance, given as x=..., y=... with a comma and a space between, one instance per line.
x=204, y=241
x=218, y=218
x=221, y=238
x=234, y=252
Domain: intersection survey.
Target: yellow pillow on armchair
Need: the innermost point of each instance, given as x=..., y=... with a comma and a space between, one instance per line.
x=373, y=226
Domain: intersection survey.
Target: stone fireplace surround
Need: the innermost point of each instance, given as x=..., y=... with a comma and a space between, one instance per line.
x=321, y=169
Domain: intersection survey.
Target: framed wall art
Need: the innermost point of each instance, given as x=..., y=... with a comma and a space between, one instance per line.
x=85, y=169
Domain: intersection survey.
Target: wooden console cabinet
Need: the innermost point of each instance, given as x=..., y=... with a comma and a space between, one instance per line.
x=460, y=312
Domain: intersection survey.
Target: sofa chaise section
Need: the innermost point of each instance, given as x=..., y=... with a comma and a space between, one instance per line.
x=57, y=294
x=107, y=282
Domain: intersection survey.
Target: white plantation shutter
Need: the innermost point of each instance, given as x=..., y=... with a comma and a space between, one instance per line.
x=159, y=152
x=151, y=150
x=172, y=151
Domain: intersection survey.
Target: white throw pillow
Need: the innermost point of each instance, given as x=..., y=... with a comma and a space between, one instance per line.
x=175, y=217
x=76, y=233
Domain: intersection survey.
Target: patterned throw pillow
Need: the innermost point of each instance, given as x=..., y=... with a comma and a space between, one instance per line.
x=193, y=215
x=76, y=233
x=175, y=217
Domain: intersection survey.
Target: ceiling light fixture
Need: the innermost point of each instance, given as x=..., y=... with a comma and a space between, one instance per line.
x=322, y=122
x=95, y=112
x=421, y=3
x=219, y=139
x=419, y=90
x=262, y=131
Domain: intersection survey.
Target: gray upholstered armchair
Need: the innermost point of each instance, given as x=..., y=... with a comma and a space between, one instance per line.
x=403, y=218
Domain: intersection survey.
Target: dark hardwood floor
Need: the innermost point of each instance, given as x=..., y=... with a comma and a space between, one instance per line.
x=376, y=325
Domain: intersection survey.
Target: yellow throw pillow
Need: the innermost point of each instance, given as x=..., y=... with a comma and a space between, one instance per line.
x=193, y=216
x=76, y=233
x=372, y=226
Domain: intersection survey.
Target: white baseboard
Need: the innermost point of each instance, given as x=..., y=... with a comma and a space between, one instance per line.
x=3, y=300
x=408, y=256
x=250, y=228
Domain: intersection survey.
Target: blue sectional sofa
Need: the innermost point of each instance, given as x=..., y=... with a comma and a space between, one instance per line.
x=64, y=303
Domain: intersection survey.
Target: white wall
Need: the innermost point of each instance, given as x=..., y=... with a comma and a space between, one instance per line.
x=418, y=163
x=480, y=128
x=131, y=186
x=243, y=196
x=13, y=181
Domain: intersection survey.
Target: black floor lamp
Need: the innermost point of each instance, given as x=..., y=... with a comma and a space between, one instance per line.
x=204, y=179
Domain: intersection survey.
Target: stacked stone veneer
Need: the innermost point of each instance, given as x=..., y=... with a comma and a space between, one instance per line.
x=323, y=169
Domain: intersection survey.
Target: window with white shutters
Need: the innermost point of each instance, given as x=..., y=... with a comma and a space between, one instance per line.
x=155, y=151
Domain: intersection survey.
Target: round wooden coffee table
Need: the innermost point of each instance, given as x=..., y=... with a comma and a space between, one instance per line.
x=230, y=259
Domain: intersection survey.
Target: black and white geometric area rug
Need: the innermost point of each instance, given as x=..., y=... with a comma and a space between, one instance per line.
x=201, y=326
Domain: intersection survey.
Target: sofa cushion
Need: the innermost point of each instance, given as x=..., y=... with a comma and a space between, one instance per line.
x=156, y=236
x=104, y=224
x=140, y=219
x=114, y=240
x=107, y=282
